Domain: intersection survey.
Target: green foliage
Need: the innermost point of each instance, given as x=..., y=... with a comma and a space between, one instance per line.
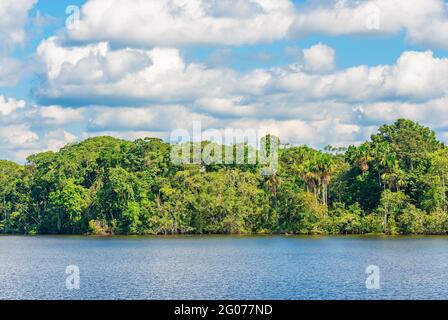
x=410, y=142
x=97, y=227
x=436, y=223
x=347, y=221
x=412, y=221
x=392, y=206
x=395, y=183
x=66, y=208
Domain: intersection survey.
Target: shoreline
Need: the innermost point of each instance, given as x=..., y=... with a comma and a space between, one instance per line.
x=205, y=236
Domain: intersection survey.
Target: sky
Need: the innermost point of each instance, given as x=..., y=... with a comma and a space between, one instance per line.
x=322, y=72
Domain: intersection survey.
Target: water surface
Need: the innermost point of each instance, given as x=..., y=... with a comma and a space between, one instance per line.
x=223, y=267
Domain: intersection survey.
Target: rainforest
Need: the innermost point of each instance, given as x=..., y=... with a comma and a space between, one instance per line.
x=395, y=183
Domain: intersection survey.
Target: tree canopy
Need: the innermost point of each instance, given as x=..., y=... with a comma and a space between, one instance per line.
x=394, y=183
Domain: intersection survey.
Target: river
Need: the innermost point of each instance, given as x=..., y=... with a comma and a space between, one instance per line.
x=223, y=267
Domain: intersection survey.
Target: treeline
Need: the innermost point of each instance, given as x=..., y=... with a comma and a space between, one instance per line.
x=396, y=183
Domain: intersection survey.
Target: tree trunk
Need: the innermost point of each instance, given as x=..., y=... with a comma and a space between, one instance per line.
x=4, y=211
x=385, y=220
x=443, y=193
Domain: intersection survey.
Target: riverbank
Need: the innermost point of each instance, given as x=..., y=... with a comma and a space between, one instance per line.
x=224, y=236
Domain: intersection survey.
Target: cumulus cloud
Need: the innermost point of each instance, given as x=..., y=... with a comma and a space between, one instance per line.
x=296, y=131
x=311, y=101
x=227, y=107
x=432, y=112
x=14, y=17
x=95, y=74
x=27, y=129
x=153, y=118
x=19, y=141
x=319, y=58
x=56, y=115
x=178, y=23
x=131, y=80
x=11, y=70
x=91, y=75
x=55, y=140
x=9, y=105
x=423, y=21
x=17, y=135
x=415, y=75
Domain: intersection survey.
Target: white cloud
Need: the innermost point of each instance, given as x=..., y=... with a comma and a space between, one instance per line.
x=104, y=75
x=16, y=135
x=86, y=75
x=27, y=129
x=421, y=75
x=9, y=105
x=423, y=21
x=56, y=115
x=13, y=19
x=319, y=58
x=310, y=101
x=184, y=22
x=224, y=107
x=432, y=113
x=19, y=141
x=57, y=57
x=55, y=140
x=416, y=75
x=154, y=118
x=314, y=133
x=14, y=111
x=14, y=16
x=149, y=91
x=11, y=71
x=178, y=23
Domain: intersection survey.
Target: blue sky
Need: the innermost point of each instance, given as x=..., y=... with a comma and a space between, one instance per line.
x=318, y=72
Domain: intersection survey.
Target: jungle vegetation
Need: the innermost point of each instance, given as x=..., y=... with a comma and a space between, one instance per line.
x=395, y=183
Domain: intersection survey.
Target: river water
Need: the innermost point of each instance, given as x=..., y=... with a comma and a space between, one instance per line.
x=223, y=267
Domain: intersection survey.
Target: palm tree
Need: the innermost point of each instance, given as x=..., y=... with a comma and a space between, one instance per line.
x=364, y=158
x=361, y=156
x=393, y=176
x=272, y=184
x=382, y=153
x=325, y=170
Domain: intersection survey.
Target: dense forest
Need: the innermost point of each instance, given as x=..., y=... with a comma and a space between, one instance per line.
x=396, y=183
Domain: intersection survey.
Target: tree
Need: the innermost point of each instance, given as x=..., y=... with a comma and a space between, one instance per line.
x=118, y=201
x=410, y=141
x=272, y=183
x=393, y=176
x=392, y=205
x=325, y=169
x=438, y=173
x=67, y=206
x=394, y=183
x=10, y=174
x=411, y=221
x=362, y=156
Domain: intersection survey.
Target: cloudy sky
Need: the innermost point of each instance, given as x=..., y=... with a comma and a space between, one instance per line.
x=319, y=72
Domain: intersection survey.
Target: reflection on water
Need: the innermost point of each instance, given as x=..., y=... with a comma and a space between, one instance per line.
x=223, y=267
